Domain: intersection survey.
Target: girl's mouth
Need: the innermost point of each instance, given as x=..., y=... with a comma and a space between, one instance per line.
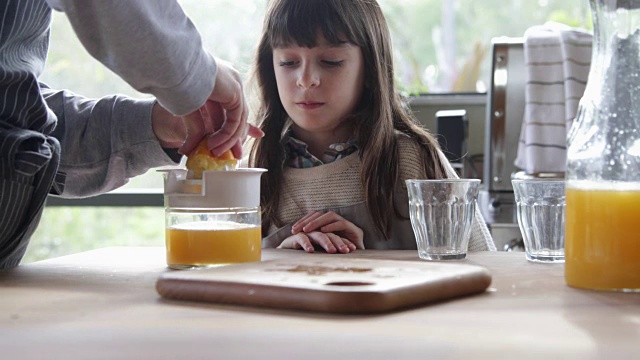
x=309, y=105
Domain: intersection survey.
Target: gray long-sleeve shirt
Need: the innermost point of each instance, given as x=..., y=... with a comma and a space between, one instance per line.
x=58, y=142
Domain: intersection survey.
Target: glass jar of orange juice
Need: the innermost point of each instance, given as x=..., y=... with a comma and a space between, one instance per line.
x=214, y=221
x=602, y=237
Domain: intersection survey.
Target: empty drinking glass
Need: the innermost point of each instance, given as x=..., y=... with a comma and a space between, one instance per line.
x=442, y=213
x=540, y=210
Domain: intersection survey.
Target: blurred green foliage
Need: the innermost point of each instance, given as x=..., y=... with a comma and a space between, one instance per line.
x=68, y=230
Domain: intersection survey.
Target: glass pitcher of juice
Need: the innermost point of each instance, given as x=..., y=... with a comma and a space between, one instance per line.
x=213, y=221
x=602, y=236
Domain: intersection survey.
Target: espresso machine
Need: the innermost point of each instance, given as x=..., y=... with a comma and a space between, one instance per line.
x=505, y=111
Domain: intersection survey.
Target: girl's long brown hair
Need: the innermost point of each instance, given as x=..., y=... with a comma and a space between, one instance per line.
x=380, y=113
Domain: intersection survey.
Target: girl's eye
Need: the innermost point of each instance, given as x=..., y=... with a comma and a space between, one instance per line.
x=287, y=63
x=333, y=63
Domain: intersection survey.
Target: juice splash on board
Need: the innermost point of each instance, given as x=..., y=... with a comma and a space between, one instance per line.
x=602, y=241
x=212, y=244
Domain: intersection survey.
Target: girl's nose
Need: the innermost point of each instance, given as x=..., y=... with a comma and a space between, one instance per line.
x=308, y=78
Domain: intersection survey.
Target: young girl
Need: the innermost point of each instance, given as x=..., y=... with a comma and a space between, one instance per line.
x=339, y=141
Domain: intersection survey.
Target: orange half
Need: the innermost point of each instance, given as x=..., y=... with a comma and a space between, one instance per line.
x=201, y=159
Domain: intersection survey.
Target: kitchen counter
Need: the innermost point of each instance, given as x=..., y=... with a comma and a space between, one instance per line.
x=103, y=304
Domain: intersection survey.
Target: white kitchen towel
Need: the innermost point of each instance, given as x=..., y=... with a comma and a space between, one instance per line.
x=557, y=61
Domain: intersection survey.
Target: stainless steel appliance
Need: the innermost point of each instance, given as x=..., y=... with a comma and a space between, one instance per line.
x=505, y=111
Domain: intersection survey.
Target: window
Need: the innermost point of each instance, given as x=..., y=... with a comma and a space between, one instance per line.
x=441, y=46
x=438, y=43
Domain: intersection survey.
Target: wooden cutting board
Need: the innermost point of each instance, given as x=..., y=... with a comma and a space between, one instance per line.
x=351, y=286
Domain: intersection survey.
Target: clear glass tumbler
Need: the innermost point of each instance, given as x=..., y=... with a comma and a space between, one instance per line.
x=541, y=214
x=442, y=212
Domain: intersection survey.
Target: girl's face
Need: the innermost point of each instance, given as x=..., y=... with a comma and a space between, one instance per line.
x=319, y=87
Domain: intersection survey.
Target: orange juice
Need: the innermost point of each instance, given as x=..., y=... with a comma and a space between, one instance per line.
x=602, y=239
x=194, y=245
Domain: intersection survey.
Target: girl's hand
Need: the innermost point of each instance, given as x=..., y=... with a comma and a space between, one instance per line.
x=330, y=242
x=330, y=222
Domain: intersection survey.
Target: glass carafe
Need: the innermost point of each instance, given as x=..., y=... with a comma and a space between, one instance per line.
x=602, y=238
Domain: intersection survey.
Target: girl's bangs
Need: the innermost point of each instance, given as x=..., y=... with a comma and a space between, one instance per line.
x=300, y=22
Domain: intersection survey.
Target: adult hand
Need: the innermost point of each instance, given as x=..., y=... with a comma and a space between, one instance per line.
x=169, y=129
x=330, y=242
x=224, y=116
x=330, y=222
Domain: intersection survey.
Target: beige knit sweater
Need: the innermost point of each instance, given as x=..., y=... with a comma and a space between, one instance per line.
x=336, y=187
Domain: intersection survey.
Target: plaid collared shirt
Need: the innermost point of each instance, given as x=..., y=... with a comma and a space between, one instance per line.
x=298, y=155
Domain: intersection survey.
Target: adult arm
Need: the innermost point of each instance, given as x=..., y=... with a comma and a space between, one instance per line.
x=156, y=48
x=104, y=142
x=152, y=45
